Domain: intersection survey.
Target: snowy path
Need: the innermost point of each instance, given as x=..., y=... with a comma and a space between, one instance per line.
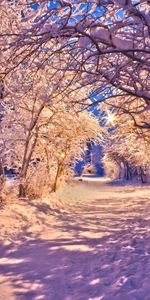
x=98, y=250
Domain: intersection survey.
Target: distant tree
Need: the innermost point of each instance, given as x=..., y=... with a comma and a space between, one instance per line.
x=127, y=148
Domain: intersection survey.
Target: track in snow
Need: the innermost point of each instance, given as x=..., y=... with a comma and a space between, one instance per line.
x=99, y=250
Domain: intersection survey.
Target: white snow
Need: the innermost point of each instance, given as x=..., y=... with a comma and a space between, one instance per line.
x=95, y=247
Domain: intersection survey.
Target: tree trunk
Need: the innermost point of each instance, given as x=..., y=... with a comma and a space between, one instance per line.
x=56, y=178
x=2, y=177
x=22, y=190
x=143, y=176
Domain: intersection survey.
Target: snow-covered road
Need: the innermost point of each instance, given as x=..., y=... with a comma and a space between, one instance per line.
x=96, y=249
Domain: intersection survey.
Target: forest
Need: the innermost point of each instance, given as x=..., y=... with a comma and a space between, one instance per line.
x=74, y=74
x=59, y=58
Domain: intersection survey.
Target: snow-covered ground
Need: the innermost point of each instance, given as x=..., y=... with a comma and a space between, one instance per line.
x=96, y=247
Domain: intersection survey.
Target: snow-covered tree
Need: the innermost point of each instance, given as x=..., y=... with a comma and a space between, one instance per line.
x=41, y=129
x=106, y=42
x=127, y=147
x=99, y=49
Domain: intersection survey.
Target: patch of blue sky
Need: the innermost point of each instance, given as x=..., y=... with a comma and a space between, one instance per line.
x=98, y=12
x=53, y=4
x=83, y=7
x=86, y=8
x=95, y=102
x=34, y=6
x=120, y=14
x=76, y=19
x=98, y=95
x=78, y=12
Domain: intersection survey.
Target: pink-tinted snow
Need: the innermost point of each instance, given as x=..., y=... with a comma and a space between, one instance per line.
x=98, y=248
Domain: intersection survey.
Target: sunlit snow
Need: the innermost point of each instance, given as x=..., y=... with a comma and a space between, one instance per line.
x=96, y=247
